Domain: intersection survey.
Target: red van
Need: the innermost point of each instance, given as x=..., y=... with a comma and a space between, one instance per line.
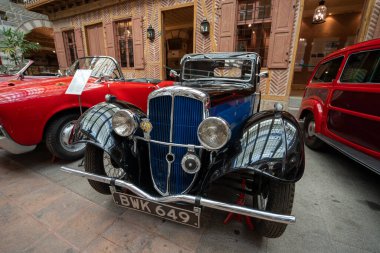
x=341, y=104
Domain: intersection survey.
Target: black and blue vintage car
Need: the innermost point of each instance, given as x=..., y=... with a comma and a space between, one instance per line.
x=205, y=128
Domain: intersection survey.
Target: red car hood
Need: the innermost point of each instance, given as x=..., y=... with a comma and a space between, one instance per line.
x=24, y=89
x=11, y=81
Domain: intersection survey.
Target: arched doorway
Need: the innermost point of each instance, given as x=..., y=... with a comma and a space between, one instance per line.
x=45, y=60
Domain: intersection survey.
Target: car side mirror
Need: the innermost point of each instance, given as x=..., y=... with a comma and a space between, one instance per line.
x=173, y=73
x=264, y=74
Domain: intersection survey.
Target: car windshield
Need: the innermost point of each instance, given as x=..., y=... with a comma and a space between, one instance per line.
x=13, y=69
x=100, y=66
x=218, y=69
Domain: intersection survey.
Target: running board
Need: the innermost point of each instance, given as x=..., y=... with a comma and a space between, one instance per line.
x=360, y=157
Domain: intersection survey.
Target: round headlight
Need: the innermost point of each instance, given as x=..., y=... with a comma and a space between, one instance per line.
x=214, y=133
x=124, y=123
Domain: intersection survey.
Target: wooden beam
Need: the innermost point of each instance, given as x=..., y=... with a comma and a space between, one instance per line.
x=35, y=4
x=83, y=9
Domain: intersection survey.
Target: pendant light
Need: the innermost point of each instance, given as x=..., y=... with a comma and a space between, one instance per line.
x=320, y=13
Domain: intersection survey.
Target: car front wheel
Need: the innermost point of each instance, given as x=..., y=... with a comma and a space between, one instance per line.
x=57, y=138
x=311, y=140
x=99, y=162
x=277, y=198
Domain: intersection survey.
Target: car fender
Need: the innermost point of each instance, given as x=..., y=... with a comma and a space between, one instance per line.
x=316, y=108
x=271, y=144
x=95, y=127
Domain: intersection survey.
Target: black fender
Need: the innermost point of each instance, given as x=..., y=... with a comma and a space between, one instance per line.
x=95, y=128
x=271, y=144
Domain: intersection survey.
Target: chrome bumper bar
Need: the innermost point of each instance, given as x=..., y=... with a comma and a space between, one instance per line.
x=287, y=219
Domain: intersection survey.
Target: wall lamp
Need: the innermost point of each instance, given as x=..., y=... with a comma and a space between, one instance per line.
x=150, y=33
x=205, y=27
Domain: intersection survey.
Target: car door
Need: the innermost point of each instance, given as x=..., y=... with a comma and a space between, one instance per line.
x=135, y=93
x=353, y=115
x=321, y=86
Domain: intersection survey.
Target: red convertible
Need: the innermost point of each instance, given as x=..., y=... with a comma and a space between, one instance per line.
x=38, y=110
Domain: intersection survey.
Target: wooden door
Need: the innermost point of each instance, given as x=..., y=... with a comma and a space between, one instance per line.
x=227, y=26
x=281, y=33
x=95, y=40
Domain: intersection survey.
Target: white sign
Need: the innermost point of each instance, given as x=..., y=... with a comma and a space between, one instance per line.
x=79, y=81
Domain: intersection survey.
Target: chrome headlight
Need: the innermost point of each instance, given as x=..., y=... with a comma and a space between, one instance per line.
x=214, y=133
x=124, y=123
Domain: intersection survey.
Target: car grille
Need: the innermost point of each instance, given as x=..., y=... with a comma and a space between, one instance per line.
x=169, y=178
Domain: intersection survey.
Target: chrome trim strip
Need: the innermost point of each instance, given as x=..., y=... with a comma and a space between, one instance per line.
x=189, y=146
x=286, y=219
x=174, y=91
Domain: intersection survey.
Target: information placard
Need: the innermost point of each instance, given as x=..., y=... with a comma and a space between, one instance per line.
x=79, y=81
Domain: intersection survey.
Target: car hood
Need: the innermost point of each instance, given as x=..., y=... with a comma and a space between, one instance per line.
x=20, y=90
x=224, y=92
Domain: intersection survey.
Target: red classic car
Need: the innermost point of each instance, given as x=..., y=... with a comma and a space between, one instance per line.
x=39, y=110
x=341, y=104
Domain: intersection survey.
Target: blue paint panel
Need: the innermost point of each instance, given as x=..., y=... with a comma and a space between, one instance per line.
x=235, y=112
x=159, y=115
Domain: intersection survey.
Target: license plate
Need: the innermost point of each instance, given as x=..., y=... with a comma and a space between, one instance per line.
x=169, y=212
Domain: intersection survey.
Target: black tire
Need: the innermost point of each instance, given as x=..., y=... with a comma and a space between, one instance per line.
x=311, y=140
x=54, y=139
x=94, y=158
x=279, y=200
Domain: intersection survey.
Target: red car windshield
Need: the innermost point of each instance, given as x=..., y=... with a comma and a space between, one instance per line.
x=100, y=66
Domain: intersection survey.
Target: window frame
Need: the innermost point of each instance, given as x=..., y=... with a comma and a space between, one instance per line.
x=261, y=24
x=117, y=48
x=345, y=65
x=326, y=61
x=69, y=61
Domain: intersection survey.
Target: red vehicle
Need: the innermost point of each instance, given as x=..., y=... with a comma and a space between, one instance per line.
x=341, y=104
x=39, y=110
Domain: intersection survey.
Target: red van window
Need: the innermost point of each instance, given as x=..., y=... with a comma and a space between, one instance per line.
x=327, y=71
x=362, y=68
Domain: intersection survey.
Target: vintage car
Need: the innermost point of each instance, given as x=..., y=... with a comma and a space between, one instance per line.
x=39, y=110
x=341, y=104
x=204, y=128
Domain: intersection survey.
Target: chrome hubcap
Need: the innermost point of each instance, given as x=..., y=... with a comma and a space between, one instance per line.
x=311, y=128
x=110, y=169
x=65, y=137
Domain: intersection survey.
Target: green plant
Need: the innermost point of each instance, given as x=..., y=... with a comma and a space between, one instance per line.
x=15, y=45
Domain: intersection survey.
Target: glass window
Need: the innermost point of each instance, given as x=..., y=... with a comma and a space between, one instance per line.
x=362, y=68
x=124, y=43
x=254, y=26
x=327, y=71
x=70, y=46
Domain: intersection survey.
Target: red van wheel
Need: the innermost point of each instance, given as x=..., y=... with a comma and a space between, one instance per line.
x=311, y=140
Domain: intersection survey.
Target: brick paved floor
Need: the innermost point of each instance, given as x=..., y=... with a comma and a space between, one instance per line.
x=42, y=209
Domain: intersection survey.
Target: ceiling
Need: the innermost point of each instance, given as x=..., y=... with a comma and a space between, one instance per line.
x=42, y=35
x=334, y=6
x=179, y=17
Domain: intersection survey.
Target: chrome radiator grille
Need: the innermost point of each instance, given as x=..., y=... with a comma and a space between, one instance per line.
x=175, y=119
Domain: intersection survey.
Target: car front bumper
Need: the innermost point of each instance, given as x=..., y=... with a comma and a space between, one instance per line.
x=8, y=144
x=194, y=200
